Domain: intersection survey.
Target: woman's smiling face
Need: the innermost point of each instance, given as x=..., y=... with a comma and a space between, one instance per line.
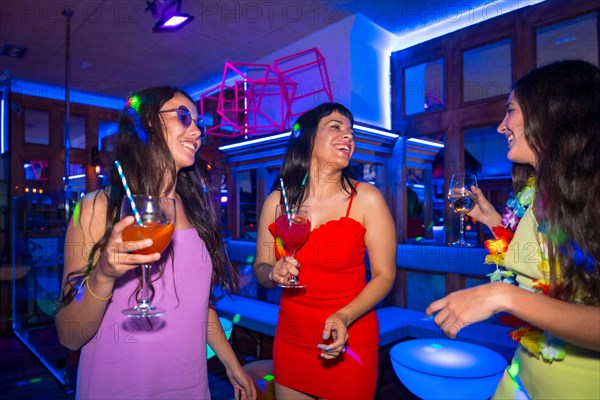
x=334, y=141
x=513, y=127
x=183, y=141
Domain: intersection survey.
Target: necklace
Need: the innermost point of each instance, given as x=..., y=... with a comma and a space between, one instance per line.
x=536, y=341
x=504, y=233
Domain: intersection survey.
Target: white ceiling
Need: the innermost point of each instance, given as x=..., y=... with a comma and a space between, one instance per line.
x=114, y=51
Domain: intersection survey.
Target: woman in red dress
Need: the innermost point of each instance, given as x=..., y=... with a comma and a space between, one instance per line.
x=326, y=342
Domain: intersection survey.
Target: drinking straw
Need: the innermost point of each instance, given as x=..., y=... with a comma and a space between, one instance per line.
x=285, y=201
x=138, y=219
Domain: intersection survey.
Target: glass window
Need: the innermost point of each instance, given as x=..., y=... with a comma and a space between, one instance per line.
x=425, y=197
x=424, y=87
x=487, y=71
x=77, y=132
x=575, y=38
x=37, y=125
x=106, y=135
x=488, y=149
x=36, y=170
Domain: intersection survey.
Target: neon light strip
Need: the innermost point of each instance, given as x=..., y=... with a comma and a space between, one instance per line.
x=426, y=142
x=255, y=141
x=55, y=92
x=75, y=176
x=376, y=131
x=462, y=20
x=287, y=134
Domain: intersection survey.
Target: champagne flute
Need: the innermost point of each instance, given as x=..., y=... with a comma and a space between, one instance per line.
x=157, y=215
x=462, y=201
x=292, y=225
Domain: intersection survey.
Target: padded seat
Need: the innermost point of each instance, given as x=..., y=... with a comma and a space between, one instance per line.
x=447, y=369
x=394, y=323
x=255, y=315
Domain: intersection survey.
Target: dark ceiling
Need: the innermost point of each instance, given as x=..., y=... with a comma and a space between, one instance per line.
x=114, y=51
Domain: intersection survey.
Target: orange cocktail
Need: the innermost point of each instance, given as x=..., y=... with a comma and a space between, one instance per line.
x=159, y=233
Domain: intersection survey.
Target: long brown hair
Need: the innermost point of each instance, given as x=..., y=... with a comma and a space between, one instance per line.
x=560, y=104
x=140, y=141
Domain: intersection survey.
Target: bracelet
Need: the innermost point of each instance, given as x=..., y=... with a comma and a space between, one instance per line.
x=84, y=281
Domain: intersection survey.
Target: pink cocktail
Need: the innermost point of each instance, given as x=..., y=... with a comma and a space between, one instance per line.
x=295, y=234
x=293, y=227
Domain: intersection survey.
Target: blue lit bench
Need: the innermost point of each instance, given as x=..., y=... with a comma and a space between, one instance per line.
x=395, y=323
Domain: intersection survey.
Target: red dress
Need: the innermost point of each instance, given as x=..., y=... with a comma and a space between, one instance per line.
x=333, y=268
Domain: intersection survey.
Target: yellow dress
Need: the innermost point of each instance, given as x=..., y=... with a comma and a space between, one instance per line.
x=577, y=376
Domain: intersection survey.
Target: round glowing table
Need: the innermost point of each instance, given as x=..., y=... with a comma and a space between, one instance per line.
x=447, y=369
x=227, y=327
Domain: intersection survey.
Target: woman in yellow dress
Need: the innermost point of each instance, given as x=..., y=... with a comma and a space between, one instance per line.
x=548, y=240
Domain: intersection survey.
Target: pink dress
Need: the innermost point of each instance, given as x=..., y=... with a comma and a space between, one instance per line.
x=154, y=358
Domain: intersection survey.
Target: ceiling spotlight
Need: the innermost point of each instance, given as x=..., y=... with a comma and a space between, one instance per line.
x=171, y=17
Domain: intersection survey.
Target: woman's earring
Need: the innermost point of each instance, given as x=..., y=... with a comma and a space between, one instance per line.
x=304, y=179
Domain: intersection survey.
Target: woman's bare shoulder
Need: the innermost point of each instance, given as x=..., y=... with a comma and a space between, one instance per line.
x=367, y=193
x=92, y=207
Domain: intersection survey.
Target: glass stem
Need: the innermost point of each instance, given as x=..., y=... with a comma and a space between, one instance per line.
x=292, y=280
x=462, y=228
x=145, y=294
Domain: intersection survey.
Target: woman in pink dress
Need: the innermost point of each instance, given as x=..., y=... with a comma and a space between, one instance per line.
x=161, y=357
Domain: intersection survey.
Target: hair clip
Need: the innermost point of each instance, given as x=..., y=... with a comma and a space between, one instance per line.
x=133, y=107
x=296, y=130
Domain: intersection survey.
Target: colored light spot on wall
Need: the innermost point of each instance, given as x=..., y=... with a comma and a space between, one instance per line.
x=76, y=215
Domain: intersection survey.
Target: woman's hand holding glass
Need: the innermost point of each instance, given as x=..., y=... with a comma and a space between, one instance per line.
x=284, y=269
x=484, y=211
x=117, y=259
x=155, y=217
x=292, y=223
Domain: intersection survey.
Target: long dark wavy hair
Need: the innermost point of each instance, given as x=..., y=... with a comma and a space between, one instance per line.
x=296, y=167
x=142, y=150
x=561, y=111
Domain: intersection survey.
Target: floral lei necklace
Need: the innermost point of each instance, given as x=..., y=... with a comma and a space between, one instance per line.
x=533, y=339
x=503, y=234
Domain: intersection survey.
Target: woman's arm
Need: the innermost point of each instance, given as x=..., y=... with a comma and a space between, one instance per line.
x=577, y=324
x=380, y=240
x=78, y=321
x=242, y=383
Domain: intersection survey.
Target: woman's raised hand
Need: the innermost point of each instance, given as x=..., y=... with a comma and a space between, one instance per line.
x=118, y=258
x=484, y=211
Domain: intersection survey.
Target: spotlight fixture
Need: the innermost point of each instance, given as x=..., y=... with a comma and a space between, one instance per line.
x=171, y=17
